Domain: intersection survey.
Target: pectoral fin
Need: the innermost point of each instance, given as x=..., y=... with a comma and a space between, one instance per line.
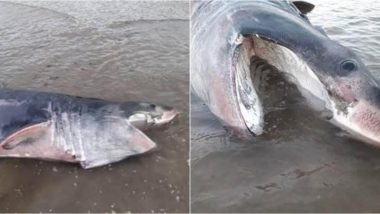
x=26, y=135
x=110, y=139
x=35, y=141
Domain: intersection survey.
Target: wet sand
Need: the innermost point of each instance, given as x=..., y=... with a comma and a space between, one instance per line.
x=89, y=50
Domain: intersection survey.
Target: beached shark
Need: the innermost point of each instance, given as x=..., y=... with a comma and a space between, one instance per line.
x=88, y=131
x=233, y=42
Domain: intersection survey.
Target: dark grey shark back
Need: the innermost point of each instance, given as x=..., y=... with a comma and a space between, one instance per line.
x=278, y=21
x=19, y=109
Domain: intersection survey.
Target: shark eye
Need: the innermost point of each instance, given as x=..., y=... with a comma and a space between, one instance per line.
x=348, y=66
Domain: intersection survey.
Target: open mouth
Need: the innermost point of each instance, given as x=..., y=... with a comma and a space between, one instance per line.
x=255, y=56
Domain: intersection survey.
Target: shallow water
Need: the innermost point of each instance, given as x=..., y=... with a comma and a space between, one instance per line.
x=117, y=51
x=301, y=163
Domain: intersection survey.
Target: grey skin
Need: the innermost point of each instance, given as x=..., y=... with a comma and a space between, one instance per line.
x=229, y=36
x=88, y=131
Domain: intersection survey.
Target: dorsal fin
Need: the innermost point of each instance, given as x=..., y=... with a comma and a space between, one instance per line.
x=304, y=7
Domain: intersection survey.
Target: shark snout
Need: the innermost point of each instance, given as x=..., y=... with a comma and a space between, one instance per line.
x=366, y=117
x=154, y=116
x=357, y=109
x=168, y=114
